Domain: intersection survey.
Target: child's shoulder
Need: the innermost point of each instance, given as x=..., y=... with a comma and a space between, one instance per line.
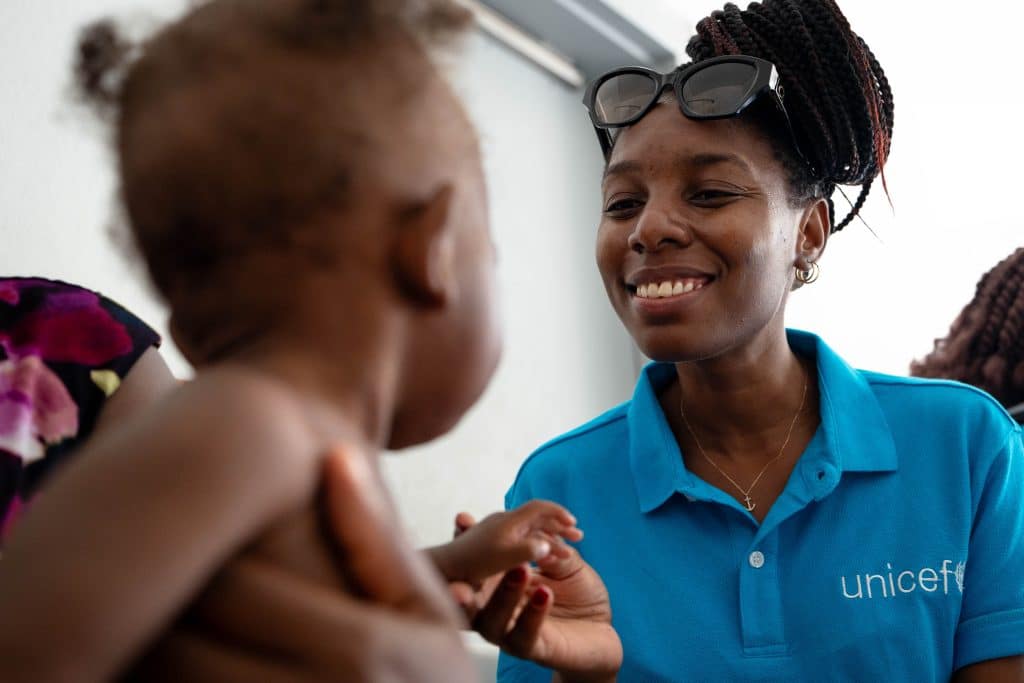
x=227, y=424
x=261, y=402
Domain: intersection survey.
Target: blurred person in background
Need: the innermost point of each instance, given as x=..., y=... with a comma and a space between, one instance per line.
x=985, y=344
x=72, y=363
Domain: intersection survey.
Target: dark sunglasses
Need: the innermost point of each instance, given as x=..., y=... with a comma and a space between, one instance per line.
x=717, y=88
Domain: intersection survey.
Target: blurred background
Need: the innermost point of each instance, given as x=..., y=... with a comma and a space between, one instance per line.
x=881, y=300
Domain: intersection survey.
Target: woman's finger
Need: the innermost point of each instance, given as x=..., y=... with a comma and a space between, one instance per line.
x=520, y=641
x=492, y=622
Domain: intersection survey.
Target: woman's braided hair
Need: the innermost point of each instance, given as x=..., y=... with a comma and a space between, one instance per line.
x=836, y=94
x=985, y=345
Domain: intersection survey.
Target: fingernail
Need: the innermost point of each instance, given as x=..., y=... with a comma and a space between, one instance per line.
x=517, y=576
x=540, y=598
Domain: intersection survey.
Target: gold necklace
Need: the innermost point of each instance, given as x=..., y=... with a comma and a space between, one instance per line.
x=748, y=502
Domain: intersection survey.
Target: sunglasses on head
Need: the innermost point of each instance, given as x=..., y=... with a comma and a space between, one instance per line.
x=717, y=88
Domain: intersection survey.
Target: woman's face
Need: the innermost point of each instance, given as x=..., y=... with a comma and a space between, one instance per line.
x=698, y=243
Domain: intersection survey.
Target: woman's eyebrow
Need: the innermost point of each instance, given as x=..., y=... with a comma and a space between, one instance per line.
x=620, y=168
x=692, y=161
x=712, y=159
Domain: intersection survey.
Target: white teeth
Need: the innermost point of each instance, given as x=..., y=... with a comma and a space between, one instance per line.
x=659, y=290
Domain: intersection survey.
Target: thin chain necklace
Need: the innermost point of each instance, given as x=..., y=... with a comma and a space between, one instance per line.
x=748, y=502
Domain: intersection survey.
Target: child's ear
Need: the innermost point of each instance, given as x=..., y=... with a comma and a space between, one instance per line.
x=423, y=252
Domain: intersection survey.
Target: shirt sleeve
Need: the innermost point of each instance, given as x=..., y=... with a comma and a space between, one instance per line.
x=992, y=615
x=143, y=336
x=86, y=342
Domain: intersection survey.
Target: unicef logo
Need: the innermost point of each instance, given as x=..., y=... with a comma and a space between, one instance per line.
x=958, y=574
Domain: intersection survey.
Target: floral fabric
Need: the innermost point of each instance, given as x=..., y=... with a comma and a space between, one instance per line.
x=63, y=352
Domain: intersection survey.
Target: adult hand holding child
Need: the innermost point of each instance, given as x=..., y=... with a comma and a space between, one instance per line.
x=260, y=622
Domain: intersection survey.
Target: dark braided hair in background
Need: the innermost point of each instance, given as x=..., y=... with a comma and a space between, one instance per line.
x=835, y=91
x=985, y=345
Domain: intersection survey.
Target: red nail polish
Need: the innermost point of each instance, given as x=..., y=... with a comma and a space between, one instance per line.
x=540, y=598
x=517, y=576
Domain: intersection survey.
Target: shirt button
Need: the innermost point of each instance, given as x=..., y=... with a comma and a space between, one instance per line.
x=756, y=559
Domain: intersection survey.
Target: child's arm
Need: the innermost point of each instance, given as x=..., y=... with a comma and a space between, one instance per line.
x=129, y=533
x=504, y=540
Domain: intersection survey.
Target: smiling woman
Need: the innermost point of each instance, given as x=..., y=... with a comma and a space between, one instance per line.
x=755, y=480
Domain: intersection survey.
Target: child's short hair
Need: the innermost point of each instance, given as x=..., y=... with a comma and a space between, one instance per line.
x=242, y=120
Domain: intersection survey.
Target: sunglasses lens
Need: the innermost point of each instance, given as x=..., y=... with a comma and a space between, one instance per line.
x=623, y=96
x=719, y=90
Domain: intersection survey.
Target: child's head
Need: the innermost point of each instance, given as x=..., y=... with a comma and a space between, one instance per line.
x=295, y=166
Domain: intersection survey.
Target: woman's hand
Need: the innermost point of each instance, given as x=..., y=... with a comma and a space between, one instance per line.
x=573, y=634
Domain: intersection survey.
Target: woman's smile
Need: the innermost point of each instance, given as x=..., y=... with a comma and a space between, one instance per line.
x=663, y=290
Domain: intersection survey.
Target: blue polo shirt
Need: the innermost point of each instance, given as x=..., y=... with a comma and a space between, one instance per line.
x=895, y=552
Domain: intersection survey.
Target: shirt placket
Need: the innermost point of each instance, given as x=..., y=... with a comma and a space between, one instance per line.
x=760, y=599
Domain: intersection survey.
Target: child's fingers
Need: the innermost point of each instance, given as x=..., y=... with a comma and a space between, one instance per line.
x=521, y=639
x=561, y=565
x=559, y=548
x=375, y=553
x=530, y=549
x=545, y=509
x=463, y=521
x=554, y=523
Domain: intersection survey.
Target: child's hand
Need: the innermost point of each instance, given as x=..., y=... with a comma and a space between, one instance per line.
x=504, y=540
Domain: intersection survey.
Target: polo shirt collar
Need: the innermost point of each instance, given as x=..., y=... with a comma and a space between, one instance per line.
x=855, y=433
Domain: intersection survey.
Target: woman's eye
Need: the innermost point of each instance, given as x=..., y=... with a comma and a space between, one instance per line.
x=713, y=196
x=622, y=206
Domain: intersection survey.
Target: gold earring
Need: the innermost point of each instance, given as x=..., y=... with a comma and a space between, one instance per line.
x=806, y=277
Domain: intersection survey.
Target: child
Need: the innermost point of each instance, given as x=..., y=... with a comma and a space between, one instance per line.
x=308, y=196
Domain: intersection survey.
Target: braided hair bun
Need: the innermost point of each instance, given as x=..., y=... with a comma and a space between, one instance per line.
x=836, y=93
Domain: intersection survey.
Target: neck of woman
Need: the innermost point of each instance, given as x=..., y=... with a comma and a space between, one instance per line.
x=741, y=404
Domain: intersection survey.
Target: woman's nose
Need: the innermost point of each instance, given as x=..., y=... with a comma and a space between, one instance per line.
x=657, y=228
